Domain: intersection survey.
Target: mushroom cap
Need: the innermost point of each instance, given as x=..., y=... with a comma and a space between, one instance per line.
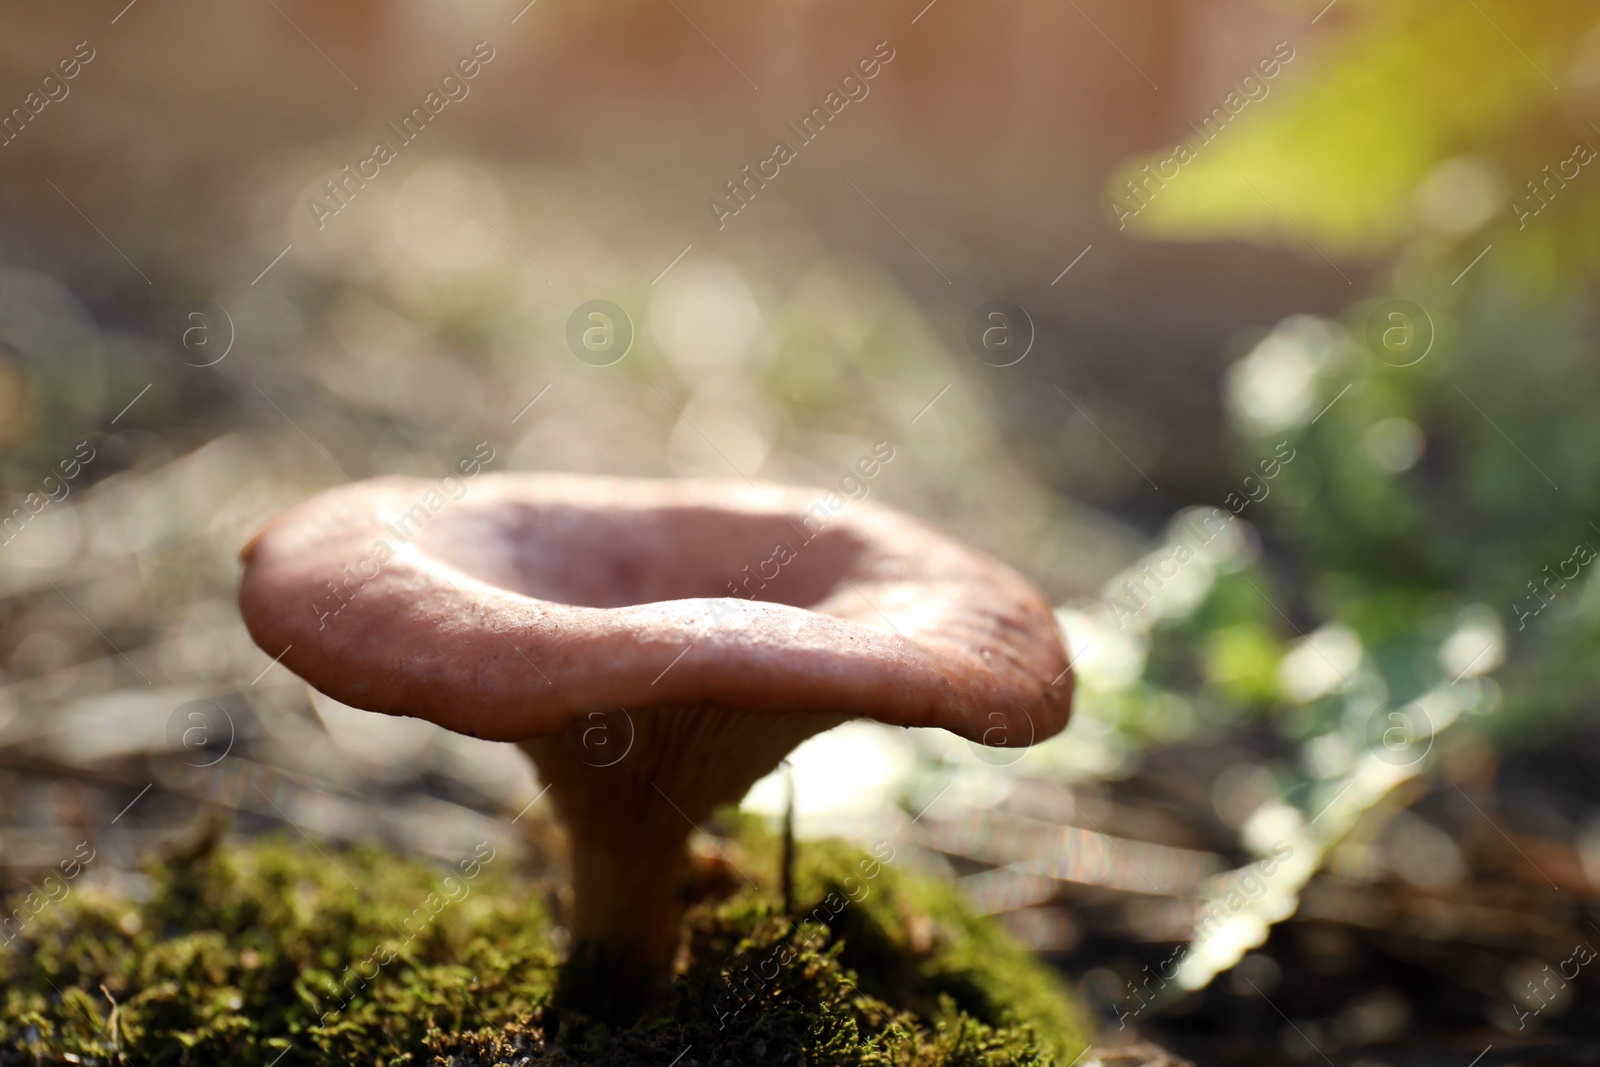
x=508, y=605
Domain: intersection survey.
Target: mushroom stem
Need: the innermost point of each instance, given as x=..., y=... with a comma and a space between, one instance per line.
x=630, y=790
x=627, y=909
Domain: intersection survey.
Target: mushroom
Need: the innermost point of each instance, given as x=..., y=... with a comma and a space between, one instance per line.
x=654, y=646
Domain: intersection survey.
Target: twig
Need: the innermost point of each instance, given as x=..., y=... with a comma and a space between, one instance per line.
x=116, y=1041
x=787, y=875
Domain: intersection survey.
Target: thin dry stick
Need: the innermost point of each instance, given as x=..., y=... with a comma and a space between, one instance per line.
x=788, y=842
x=116, y=1042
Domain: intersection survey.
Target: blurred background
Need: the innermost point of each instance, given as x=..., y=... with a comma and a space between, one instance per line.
x=1257, y=333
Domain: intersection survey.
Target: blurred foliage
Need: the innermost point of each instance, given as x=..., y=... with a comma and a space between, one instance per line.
x=282, y=953
x=1437, y=520
x=1352, y=153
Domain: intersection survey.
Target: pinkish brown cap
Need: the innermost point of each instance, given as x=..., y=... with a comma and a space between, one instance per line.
x=535, y=599
x=733, y=620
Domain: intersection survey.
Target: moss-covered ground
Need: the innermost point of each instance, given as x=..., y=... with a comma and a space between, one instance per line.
x=273, y=953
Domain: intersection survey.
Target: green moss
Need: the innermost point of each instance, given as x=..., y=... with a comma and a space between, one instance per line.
x=274, y=952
